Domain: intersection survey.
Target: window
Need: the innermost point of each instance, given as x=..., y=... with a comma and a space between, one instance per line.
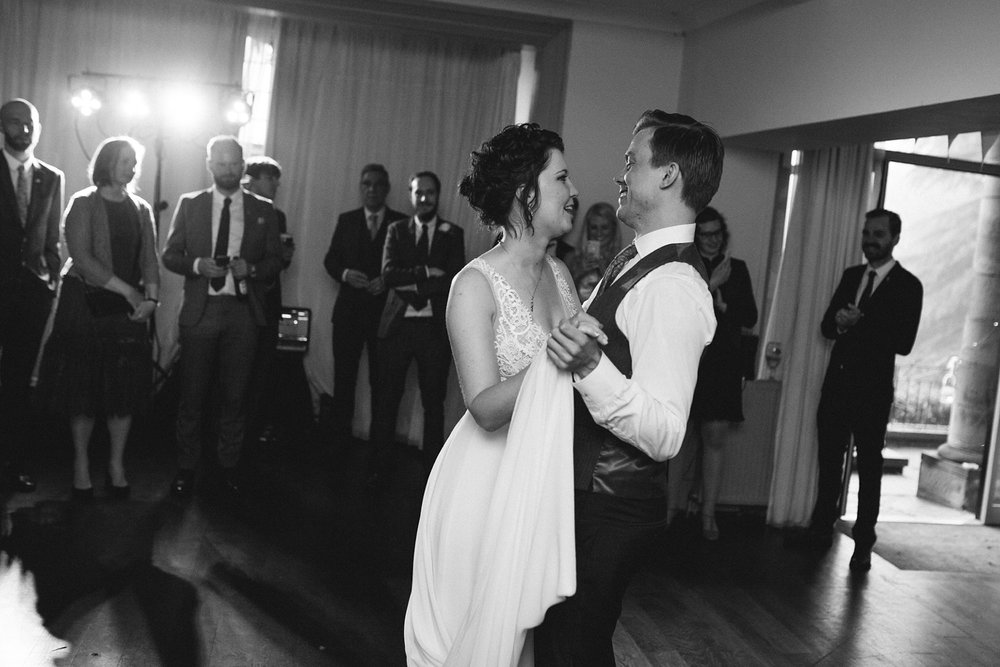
x=258, y=78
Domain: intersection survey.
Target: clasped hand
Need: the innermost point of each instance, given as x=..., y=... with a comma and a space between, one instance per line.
x=574, y=344
x=142, y=308
x=847, y=316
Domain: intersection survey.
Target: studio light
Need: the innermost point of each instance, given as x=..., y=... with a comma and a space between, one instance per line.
x=238, y=108
x=184, y=106
x=86, y=101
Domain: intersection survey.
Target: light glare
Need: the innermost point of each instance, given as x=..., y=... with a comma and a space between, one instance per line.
x=86, y=101
x=134, y=104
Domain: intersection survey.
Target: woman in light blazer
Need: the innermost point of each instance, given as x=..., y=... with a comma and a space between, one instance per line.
x=98, y=358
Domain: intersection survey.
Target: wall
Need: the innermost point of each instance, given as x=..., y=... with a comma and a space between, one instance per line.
x=615, y=73
x=746, y=198
x=831, y=59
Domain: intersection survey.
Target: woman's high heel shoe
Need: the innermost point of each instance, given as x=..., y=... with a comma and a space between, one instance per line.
x=118, y=492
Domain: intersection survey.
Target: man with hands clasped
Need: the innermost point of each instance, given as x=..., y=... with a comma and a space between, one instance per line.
x=355, y=261
x=872, y=317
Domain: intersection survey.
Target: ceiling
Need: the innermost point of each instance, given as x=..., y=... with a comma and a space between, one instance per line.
x=516, y=17
x=676, y=16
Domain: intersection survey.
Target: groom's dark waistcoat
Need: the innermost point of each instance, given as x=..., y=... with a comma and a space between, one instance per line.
x=603, y=463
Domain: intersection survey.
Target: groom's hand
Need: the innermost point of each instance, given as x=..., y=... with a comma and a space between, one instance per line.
x=570, y=349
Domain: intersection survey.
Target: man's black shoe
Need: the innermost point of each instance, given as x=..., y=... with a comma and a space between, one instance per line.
x=861, y=560
x=183, y=484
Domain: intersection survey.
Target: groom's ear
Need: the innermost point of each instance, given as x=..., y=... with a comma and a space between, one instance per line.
x=671, y=174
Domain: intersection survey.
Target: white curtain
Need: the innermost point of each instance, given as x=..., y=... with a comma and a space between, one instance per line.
x=345, y=96
x=44, y=42
x=823, y=238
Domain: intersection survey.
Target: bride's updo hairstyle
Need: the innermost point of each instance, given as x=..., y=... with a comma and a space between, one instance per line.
x=512, y=159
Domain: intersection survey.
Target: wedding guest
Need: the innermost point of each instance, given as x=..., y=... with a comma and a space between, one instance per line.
x=98, y=359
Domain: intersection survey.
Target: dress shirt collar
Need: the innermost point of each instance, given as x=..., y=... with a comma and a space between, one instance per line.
x=431, y=224
x=380, y=214
x=882, y=271
x=13, y=162
x=650, y=241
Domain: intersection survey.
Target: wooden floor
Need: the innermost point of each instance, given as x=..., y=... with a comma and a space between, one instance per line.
x=311, y=568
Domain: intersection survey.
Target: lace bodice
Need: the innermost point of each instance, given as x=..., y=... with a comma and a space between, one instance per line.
x=517, y=336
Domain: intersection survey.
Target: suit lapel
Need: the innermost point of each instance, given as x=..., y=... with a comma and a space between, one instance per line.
x=202, y=210
x=41, y=181
x=7, y=187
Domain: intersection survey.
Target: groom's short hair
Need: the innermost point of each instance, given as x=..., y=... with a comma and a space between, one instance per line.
x=695, y=147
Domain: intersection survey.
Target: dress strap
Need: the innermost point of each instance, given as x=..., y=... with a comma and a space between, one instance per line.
x=569, y=303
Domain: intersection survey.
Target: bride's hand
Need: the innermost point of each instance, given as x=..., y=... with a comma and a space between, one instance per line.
x=589, y=325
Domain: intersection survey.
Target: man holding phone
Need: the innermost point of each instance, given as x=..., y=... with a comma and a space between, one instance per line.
x=225, y=242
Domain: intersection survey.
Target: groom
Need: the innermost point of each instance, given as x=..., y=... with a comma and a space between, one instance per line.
x=634, y=396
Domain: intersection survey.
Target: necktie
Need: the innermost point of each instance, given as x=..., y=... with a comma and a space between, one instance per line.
x=616, y=266
x=373, y=225
x=422, y=244
x=22, y=195
x=222, y=243
x=867, y=294
x=422, y=253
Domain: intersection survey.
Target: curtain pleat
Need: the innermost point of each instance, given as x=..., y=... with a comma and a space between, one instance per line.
x=823, y=238
x=345, y=96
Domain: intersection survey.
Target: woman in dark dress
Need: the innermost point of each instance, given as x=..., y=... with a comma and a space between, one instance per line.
x=98, y=359
x=718, y=395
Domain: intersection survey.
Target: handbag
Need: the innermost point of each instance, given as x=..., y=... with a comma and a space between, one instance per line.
x=103, y=303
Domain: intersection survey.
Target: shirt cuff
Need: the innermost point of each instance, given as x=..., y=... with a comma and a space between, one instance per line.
x=605, y=380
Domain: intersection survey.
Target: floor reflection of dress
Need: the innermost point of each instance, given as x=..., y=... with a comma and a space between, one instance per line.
x=495, y=543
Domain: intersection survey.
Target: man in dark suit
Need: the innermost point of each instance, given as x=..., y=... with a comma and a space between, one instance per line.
x=872, y=317
x=226, y=244
x=355, y=261
x=422, y=255
x=31, y=201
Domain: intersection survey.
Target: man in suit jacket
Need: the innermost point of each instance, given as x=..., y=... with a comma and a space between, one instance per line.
x=226, y=244
x=31, y=201
x=422, y=255
x=634, y=394
x=355, y=261
x=872, y=317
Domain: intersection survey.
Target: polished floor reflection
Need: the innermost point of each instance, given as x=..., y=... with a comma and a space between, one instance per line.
x=310, y=566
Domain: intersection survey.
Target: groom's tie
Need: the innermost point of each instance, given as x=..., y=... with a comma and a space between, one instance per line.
x=616, y=266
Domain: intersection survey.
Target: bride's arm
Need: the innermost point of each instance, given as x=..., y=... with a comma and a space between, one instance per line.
x=470, y=316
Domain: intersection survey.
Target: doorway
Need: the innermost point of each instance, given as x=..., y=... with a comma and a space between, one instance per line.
x=936, y=186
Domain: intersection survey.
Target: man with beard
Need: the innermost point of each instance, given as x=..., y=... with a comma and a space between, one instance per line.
x=31, y=201
x=872, y=317
x=422, y=254
x=226, y=244
x=355, y=261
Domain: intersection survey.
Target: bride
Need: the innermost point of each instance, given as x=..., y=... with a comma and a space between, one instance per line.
x=494, y=545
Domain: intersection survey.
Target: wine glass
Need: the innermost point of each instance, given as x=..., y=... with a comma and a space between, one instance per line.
x=772, y=353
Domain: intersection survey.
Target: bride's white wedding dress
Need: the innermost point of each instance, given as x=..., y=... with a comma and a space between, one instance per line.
x=495, y=545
